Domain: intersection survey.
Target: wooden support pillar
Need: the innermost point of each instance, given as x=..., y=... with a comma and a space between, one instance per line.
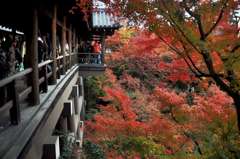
x=63, y=44
x=83, y=111
x=63, y=124
x=80, y=134
x=75, y=95
x=45, y=83
x=74, y=46
x=68, y=112
x=77, y=43
x=32, y=56
x=81, y=86
x=103, y=49
x=70, y=45
x=54, y=45
x=51, y=150
x=15, y=114
x=74, y=40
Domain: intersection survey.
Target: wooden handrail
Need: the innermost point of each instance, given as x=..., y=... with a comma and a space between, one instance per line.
x=59, y=57
x=44, y=63
x=9, y=79
x=6, y=106
x=13, y=104
x=92, y=53
x=25, y=93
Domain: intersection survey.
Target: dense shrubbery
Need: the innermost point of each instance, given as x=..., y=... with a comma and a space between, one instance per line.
x=93, y=151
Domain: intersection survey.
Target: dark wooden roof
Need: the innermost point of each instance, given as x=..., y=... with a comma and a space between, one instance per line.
x=103, y=21
x=16, y=14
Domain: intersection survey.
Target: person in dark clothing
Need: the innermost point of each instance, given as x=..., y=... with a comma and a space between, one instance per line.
x=3, y=64
x=9, y=46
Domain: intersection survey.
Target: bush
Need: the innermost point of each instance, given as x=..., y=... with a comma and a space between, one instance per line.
x=93, y=151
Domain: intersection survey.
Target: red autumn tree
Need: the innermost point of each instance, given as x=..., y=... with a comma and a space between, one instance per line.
x=204, y=28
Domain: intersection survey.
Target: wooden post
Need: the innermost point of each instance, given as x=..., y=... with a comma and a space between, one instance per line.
x=15, y=114
x=54, y=44
x=68, y=112
x=70, y=45
x=75, y=95
x=51, y=150
x=64, y=44
x=74, y=40
x=32, y=56
x=83, y=112
x=81, y=86
x=77, y=45
x=45, y=83
x=74, y=46
x=103, y=50
x=63, y=124
x=80, y=132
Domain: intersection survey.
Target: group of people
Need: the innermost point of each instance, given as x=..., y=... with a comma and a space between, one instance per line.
x=12, y=51
x=44, y=47
x=95, y=50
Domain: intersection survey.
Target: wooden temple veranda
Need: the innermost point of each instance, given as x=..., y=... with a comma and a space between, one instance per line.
x=47, y=96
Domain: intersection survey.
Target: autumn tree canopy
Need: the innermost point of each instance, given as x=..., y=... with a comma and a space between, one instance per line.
x=204, y=33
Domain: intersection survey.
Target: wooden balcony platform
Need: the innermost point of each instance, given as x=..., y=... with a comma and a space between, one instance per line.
x=91, y=69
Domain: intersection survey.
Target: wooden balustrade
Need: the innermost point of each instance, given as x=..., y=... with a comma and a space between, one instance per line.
x=90, y=58
x=8, y=84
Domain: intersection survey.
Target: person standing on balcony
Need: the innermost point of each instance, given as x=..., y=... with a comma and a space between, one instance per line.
x=97, y=49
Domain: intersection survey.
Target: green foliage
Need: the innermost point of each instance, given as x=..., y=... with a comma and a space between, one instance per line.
x=93, y=151
x=92, y=93
x=67, y=148
x=66, y=144
x=220, y=141
x=145, y=147
x=118, y=70
x=90, y=113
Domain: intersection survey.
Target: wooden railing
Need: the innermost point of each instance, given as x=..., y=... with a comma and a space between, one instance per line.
x=90, y=58
x=14, y=96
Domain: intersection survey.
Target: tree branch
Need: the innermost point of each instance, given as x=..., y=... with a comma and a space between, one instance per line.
x=197, y=17
x=235, y=48
x=176, y=26
x=218, y=19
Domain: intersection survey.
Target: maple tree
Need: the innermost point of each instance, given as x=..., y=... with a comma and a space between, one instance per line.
x=162, y=123
x=159, y=122
x=203, y=33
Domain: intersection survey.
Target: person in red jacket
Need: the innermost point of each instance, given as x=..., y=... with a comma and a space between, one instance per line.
x=97, y=49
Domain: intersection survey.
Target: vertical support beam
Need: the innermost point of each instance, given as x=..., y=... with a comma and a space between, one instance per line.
x=54, y=44
x=80, y=134
x=74, y=40
x=51, y=150
x=74, y=46
x=32, y=56
x=70, y=45
x=15, y=114
x=77, y=46
x=45, y=83
x=68, y=112
x=63, y=124
x=81, y=86
x=75, y=95
x=63, y=43
x=103, y=49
